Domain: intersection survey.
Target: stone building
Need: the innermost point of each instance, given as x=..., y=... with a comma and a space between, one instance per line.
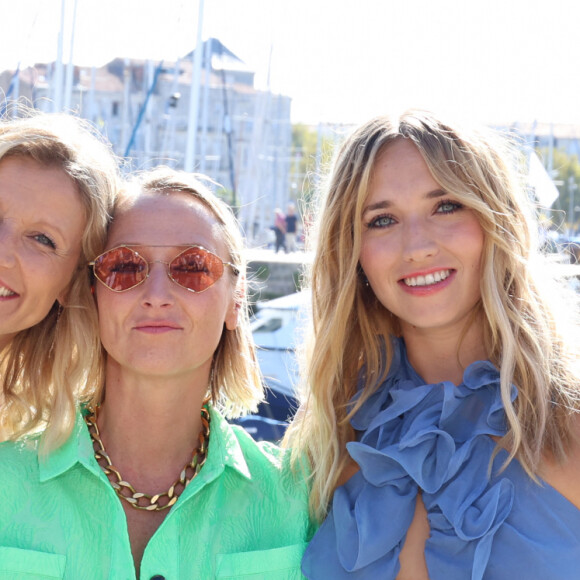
x=244, y=134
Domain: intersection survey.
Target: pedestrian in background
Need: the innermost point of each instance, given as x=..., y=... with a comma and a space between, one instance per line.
x=291, y=228
x=279, y=229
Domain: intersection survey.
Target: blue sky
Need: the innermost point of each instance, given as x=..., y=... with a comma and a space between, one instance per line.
x=343, y=61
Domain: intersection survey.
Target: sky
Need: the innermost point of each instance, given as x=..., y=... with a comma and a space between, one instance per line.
x=341, y=61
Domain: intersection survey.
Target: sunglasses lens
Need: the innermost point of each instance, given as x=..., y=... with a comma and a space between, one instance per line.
x=120, y=269
x=196, y=269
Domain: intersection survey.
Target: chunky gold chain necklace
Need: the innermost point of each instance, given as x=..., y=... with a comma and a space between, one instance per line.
x=144, y=501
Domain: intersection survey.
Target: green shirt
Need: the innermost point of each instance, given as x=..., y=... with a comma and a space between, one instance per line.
x=244, y=515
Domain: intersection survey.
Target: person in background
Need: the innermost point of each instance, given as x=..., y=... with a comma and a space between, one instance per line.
x=153, y=482
x=58, y=182
x=291, y=228
x=279, y=229
x=442, y=418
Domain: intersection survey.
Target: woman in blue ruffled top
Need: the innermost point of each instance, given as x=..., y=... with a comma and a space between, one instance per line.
x=441, y=417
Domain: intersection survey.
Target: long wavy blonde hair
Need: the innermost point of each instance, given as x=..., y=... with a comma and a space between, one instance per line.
x=523, y=334
x=236, y=385
x=44, y=369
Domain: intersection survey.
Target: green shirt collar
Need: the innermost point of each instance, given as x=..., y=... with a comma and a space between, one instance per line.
x=224, y=450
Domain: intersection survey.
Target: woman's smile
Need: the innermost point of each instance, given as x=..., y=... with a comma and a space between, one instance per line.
x=6, y=292
x=421, y=248
x=42, y=220
x=428, y=284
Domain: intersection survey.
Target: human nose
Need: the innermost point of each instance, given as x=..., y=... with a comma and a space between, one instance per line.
x=157, y=289
x=419, y=242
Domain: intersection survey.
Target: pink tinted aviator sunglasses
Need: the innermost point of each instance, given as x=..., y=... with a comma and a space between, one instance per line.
x=194, y=268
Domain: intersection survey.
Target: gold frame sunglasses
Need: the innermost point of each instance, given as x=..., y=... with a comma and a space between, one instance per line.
x=195, y=268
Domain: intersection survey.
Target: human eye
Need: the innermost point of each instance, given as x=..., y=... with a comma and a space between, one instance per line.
x=448, y=206
x=381, y=221
x=191, y=265
x=44, y=240
x=128, y=266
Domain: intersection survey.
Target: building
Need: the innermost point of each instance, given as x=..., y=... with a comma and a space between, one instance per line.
x=243, y=138
x=543, y=136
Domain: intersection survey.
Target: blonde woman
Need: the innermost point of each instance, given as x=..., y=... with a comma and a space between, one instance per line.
x=153, y=482
x=58, y=181
x=442, y=417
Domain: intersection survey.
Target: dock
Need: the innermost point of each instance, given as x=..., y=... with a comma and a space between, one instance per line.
x=272, y=274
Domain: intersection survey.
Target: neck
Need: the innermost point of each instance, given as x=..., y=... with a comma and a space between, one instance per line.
x=444, y=355
x=150, y=426
x=5, y=340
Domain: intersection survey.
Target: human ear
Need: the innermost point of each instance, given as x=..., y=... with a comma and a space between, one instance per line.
x=233, y=312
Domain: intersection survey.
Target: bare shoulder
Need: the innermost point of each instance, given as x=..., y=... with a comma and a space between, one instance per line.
x=412, y=557
x=564, y=476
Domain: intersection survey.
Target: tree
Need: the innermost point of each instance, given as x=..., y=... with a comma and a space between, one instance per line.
x=566, y=175
x=312, y=151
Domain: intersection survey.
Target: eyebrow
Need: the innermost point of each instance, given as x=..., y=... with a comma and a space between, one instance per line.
x=184, y=245
x=386, y=204
x=181, y=246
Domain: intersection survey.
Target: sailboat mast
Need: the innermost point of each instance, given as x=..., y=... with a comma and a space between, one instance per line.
x=58, y=72
x=194, y=96
x=70, y=65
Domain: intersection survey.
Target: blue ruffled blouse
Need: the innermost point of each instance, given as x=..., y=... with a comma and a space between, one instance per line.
x=436, y=438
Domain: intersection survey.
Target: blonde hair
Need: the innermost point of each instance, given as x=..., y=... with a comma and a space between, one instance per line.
x=46, y=367
x=522, y=336
x=235, y=380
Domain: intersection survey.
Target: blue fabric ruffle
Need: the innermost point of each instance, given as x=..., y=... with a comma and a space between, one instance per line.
x=415, y=436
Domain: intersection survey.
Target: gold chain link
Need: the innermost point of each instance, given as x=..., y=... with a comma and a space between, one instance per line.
x=144, y=501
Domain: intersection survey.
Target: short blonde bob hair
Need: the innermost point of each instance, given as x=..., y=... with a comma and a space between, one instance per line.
x=236, y=384
x=45, y=368
x=523, y=337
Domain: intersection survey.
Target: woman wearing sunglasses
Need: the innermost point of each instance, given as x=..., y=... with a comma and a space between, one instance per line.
x=154, y=483
x=57, y=186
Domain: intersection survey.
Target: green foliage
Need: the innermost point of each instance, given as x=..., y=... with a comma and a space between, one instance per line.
x=311, y=153
x=566, y=174
x=228, y=196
